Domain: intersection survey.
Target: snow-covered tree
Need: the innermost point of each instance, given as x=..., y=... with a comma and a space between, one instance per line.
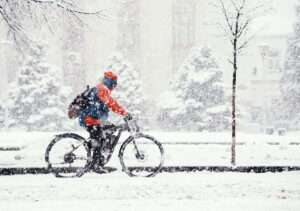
x=196, y=97
x=37, y=96
x=290, y=81
x=129, y=91
x=2, y=111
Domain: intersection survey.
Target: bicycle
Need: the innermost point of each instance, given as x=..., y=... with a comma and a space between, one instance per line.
x=139, y=154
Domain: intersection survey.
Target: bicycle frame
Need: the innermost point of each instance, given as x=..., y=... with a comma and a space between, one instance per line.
x=133, y=130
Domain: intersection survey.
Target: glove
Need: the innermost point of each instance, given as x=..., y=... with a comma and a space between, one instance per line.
x=128, y=117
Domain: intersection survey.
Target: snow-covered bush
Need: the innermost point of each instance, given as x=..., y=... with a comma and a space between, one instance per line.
x=37, y=95
x=290, y=81
x=196, y=98
x=129, y=91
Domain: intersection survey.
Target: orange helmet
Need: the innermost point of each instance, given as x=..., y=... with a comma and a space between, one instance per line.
x=111, y=75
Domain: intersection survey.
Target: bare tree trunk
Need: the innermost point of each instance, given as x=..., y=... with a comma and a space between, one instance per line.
x=233, y=110
x=233, y=144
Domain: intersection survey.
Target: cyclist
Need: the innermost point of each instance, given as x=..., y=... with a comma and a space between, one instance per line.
x=96, y=114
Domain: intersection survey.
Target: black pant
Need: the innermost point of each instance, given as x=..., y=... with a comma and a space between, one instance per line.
x=96, y=133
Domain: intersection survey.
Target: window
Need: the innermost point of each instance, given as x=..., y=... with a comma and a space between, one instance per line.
x=270, y=64
x=254, y=72
x=276, y=64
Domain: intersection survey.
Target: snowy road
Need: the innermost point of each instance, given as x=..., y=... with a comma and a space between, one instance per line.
x=176, y=191
x=167, y=191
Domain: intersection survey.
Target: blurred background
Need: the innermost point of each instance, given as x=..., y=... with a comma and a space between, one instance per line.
x=151, y=45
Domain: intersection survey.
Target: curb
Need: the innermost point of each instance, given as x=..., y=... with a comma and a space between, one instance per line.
x=170, y=169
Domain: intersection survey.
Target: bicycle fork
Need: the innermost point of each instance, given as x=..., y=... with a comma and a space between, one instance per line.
x=138, y=155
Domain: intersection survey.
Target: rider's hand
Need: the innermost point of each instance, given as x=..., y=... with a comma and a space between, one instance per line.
x=128, y=116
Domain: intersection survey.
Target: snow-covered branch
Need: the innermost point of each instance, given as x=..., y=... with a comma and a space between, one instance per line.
x=242, y=28
x=22, y=17
x=68, y=6
x=237, y=23
x=225, y=13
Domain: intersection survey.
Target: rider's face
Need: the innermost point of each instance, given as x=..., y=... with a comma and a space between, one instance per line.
x=115, y=85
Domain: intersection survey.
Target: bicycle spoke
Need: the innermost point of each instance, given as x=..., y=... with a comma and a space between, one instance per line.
x=74, y=148
x=80, y=158
x=135, y=146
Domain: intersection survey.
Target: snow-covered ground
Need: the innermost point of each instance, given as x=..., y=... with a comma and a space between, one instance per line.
x=167, y=191
x=188, y=149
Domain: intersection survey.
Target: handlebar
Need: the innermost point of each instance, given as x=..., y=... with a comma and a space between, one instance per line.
x=129, y=125
x=133, y=128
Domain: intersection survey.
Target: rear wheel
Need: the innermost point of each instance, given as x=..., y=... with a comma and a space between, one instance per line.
x=141, y=156
x=68, y=155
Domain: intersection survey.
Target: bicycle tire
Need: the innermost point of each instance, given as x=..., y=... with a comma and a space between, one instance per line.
x=59, y=171
x=154, y=169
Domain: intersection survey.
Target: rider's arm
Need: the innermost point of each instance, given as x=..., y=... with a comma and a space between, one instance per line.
x=112, y=104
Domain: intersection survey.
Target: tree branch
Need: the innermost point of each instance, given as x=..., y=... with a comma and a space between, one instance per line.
x=234, y=5
x=245, y=43
x=230, y=25
x=229, y=35
x=47, y=22
x=242, y=6
x=8, y=22
x=242, y=28
x=55, y=2
x=255, y=8
x=22, y=16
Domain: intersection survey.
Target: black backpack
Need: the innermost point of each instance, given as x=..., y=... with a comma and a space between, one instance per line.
x=80, y=103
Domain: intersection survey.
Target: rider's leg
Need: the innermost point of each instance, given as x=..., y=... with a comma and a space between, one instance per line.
x=96, y=137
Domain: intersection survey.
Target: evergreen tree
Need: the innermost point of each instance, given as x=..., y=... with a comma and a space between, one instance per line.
x=2, y=112
x=290, y=81
x=129, y=89
x=196, y=97
x=37, y=96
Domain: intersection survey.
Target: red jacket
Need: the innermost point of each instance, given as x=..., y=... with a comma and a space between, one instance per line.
x=104, y=95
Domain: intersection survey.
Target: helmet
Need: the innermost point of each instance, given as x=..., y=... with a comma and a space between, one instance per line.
x=110, y=75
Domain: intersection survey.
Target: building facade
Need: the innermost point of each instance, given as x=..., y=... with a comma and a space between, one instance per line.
x=129, y=30
x=264, y=69
x=73, y=59
x=183, y=30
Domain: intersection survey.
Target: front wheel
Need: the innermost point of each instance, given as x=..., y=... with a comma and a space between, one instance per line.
x=141, y=155
x=68, y=155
